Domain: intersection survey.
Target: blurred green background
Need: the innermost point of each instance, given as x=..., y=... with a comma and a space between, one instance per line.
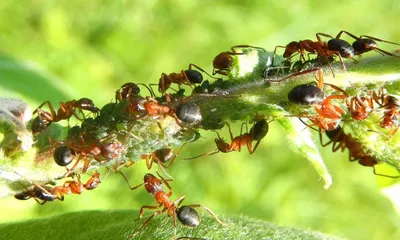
x=90, y=48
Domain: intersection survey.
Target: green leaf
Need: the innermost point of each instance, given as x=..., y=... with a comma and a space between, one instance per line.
x=121, y=224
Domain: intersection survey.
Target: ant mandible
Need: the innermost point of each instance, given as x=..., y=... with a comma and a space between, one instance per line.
x=154, y=186
x=223, y=62
x=66, y=110
x=341, y=141
x=256, y=133
x=328, y=115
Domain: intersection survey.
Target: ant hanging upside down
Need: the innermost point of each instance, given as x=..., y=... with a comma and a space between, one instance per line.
x=256, y=133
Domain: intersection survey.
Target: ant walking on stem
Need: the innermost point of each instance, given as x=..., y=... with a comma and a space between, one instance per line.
x=185, y=214
x=187, y=77
x=66, y=110
x=256, y=133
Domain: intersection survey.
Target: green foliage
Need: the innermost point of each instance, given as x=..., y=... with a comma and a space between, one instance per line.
x=121, y=224
x=94, y=48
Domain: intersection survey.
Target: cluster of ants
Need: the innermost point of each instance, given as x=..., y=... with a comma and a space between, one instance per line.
x=96, y=139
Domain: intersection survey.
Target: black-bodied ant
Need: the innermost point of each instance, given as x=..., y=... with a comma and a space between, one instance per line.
x=341, y=141
x=45, y=193
x=256, y=133
x=187, y=77
x=154, y=186
x=66, y=110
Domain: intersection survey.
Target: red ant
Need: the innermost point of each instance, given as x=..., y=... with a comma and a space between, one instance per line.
x=187, y=77
x=130, y=90
x=391, y=106
x=154, y=186
x=323, y=49
x=366, y=43
x=46, y=193
x=329, y=115
x=340, y=141
x=65, y=111
x=256, y=133
x=360, y=107
x=223, y=62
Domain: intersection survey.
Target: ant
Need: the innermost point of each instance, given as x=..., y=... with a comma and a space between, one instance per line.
x=46, y=193
x=391, y=106
x=154, y=186
x=360, y=107
x=187, y=77
x=329, y=115
x=97, y=151
x=129, y=90
x=323, y=49
x=223, y=62
x=65, y=111
x=366, y=43
x=340, y=141
x=256, y=133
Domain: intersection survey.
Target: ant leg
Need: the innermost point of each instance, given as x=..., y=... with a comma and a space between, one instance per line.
x=295, y=75
x=147, y=220
x=274, y=53
x=51, y=108
x=345, y=94
x=204, y=154
x=208, y=210
x=150, y=89
x=383, y=175
x=230, y=132
x=324, y=35
x=246, y=46
x=201, y=70
x=149, y=161
x=141, y=212
x=174, y=157
x=378, y=39
x=127, y=181
x=349, y=34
